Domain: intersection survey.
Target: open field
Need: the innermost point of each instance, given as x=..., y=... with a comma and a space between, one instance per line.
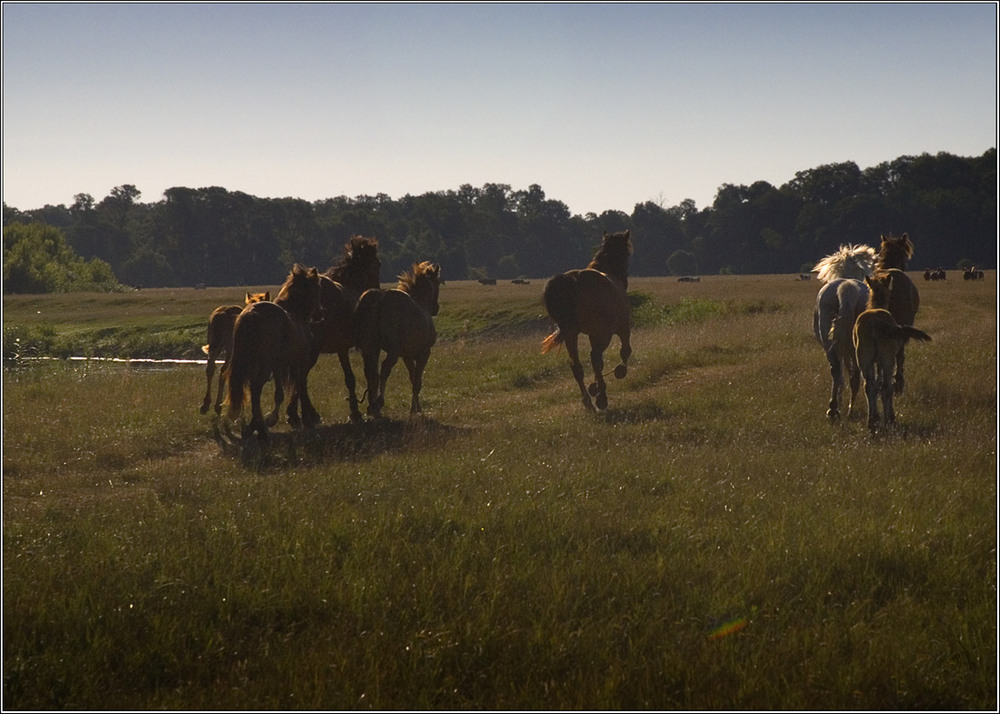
x=711, y=541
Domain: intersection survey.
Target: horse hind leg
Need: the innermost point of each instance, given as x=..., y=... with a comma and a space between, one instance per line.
x=416, y=370
x=351, y=383
x=854, y=374
x=576, y=367
x=898, y=380
x=624, y=353
x=599, y=389
x=837, y=375
x=206, y=403
x=279, y=396
x=887, y=389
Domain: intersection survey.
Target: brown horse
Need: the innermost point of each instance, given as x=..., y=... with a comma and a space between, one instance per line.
x=220, y=342
x=878, y=340
x=593, y=301
x=273, y=339
x=356, y=271
x=400, y=322
x=904, y=299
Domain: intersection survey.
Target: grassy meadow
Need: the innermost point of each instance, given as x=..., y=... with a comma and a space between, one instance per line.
x=710, y=541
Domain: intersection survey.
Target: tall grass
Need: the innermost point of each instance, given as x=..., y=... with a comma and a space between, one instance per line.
x=709, y=542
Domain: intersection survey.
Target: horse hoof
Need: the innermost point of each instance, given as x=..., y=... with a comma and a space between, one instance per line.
x=204, y=409
x=602, y=402
x=593, y=389
x=620, y=371
x=833, y=415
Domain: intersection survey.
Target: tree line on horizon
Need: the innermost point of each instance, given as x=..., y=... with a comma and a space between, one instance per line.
x=213, y=236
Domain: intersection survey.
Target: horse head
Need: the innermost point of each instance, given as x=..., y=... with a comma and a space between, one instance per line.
x=300, y=293
x=423, y=283
x=894, y=252
x=612, y=257
x=850, y=261
x=879, y=288
x=359, y=266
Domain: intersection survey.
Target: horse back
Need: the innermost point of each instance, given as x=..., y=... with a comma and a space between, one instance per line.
x=333, y=333
x=403, y=326
x=904, y=298
x=590, y=301
x=220, y=328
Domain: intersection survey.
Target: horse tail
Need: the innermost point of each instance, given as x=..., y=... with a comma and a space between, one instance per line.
x=912, y=333
x=240, y=360
x=559, y=300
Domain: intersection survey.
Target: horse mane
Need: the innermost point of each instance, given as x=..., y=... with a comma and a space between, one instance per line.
x=358, y=253
x=850, y=261
x=296, y=298
x=894, y=252
x=612, y=256
x=408, y=279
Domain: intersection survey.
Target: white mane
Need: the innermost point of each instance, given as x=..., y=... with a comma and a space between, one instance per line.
x=850, y=261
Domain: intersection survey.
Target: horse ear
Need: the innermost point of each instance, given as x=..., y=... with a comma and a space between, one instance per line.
x=267, y=295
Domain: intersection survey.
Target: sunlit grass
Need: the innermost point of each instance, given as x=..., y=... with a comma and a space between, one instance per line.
x=507, y=550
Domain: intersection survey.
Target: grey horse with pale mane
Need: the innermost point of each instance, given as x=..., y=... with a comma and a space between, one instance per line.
x=842, y=298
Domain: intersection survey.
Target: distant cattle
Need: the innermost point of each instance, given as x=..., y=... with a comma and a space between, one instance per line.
x=973, y=274
x=689, y=279
x=487, y=281
x=520, y=281
x=938, y=274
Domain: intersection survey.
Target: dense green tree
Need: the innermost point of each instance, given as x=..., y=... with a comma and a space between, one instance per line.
x=211, y=235
x=38, y=259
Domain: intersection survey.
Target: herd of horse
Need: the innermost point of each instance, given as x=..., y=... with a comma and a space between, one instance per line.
x=863, y=319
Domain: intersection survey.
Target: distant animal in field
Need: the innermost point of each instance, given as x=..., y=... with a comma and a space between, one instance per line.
x=220, y=342
x=904, y=299
x=356, y=271
x=487, y=281
x=841, y=299
x=689, y=279
x=878, y=341
x=972, y=274
x=520, y=281
x=399, y=322
x=805, y=276
x=273, y=340
x=938, y=274
x=593, y=301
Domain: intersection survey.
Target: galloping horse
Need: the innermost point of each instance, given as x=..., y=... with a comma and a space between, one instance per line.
x=273, y=339
x=400, y=322
x=356, y=271
x=838, y=304
x=593, y=301
x=879, y=340
x=904, y=299
x=220, y=342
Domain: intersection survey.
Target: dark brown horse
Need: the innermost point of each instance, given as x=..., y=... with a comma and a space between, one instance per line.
x=904, y=299
x=879, y=340
x=356, y=271
x=273, y=339
x=220, y=342
x=593, y=301
x=400, y=322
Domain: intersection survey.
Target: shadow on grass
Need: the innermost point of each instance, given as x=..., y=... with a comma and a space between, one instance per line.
x=634, y=414
x=334, y=442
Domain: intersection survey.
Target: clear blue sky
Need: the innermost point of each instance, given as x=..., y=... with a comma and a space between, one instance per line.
x=604, y=106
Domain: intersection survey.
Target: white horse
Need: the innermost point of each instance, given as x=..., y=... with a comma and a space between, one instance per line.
x=838, y=304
